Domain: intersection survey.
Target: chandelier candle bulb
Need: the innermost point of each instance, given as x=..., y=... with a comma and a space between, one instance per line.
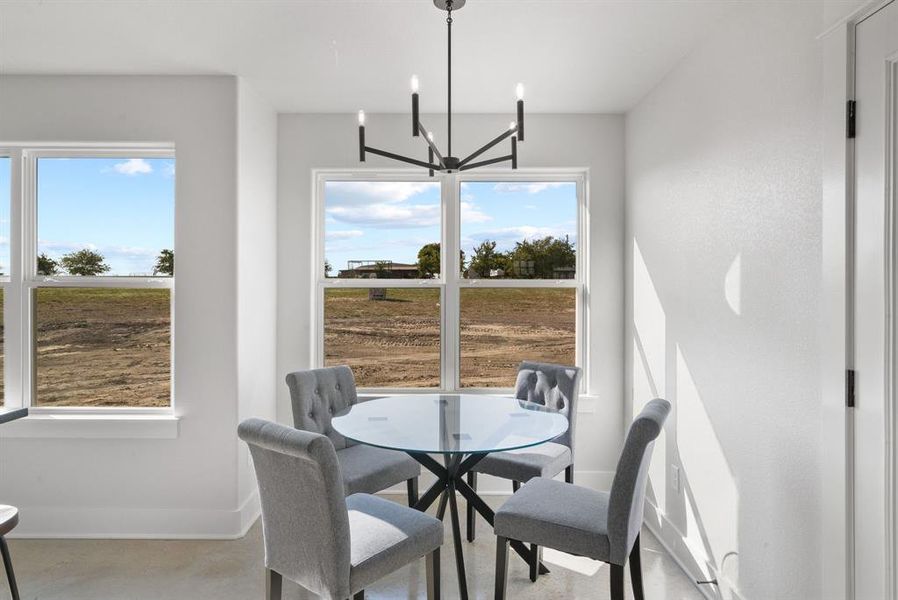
x=361, y=136
x=519, y=91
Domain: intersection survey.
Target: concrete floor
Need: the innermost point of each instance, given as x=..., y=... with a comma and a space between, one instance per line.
x=232, y=570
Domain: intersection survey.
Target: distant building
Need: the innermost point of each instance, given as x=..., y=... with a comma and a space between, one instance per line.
x=378, y=269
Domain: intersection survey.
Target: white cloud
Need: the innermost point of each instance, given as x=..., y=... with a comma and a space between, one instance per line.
x=343, y=235
x=528, y=187
x=133, y=166
x=168, y=170
x=344, y=193
x=388, y=216
x=471, y=214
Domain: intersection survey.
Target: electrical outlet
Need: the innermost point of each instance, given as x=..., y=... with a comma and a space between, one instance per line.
x=675, y=477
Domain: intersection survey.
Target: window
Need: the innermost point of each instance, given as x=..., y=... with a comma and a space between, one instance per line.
x=404, y=315
x=95, y=233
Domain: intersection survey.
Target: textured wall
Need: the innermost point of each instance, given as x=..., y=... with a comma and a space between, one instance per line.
x=723, y=277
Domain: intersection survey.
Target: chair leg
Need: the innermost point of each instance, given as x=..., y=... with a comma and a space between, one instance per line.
x=617, y=582
x=501, y=567
x=515, y=486
x=569, y=474
x=412, y=485
x=433, y=575
x=537, y=553
x=273, y=585
x=7, y=564
x=636, y=571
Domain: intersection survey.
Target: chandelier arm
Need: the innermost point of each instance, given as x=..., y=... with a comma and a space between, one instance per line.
x=429, y=142
x=477, y=153
x=489, y=161
x=405, y=159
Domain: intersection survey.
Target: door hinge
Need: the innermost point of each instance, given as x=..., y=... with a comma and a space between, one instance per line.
x=850, y=119
x=849, y=388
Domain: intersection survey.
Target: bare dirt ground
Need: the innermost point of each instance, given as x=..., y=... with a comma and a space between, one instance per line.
x=396, y=342
x=103, y=347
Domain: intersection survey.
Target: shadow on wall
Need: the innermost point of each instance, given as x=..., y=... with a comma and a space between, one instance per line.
x=691, y=485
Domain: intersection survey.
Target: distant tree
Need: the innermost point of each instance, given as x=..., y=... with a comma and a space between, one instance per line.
x=327, y=268
x=540, y=257
x=46, y=266
x=486, y=259
x=382, y=269
x=429, y=260
x=84, y=262
x=165, y=263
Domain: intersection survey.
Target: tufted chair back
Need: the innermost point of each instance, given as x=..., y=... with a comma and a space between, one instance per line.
x=305, y=524
x=317, y=395
x=554, y=386
x=627, y=498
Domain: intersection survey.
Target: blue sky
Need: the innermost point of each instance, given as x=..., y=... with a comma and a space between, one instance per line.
x=377, y=220
x=123, y=208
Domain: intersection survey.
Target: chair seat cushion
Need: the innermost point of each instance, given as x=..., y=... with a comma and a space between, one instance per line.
x=368, y=470
x=385, y=536
x=545, y=460
x=557, y=515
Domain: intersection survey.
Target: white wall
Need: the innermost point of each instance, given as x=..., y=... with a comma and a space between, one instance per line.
x=723, y=279
x=160, y=487
x=309, y=141
x=256, y=274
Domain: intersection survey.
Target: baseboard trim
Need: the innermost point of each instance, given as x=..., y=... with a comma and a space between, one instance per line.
x=150, y=524
x=674, y=542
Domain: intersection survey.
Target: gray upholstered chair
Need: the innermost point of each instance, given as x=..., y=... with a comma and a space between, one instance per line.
x=555, y=386
x=319, y=394
x=599, y=525
x=330, y=544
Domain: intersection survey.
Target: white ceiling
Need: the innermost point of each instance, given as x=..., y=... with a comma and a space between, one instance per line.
x=342, y=55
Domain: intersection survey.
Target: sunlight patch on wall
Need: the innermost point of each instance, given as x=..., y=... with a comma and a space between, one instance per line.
x=732, y=285
x=711, y=492
x=648, y=376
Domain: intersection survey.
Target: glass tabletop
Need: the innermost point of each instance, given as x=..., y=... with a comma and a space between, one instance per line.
x=449, y=423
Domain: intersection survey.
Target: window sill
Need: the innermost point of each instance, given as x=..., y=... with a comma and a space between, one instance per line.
x=92, y=426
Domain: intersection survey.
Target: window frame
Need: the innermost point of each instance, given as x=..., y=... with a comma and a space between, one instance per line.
x=450, y=281
x=23, y=281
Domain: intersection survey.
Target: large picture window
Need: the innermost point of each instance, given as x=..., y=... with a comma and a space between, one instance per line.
x=94, y=238
x=405, y=315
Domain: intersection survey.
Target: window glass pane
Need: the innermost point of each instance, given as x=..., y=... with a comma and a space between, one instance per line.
x=5, y=195
x=102, y=347
x=379, y=229
x=390, y=337
x=500, y=327
x=519, y=229
x=105, y=216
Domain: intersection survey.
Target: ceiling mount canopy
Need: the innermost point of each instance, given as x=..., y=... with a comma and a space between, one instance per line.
x=435, y=159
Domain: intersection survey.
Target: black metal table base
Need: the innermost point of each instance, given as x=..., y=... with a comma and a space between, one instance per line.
x=450, y=479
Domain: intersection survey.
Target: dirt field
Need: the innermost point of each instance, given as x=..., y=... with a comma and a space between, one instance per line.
x=396, y=342
x=103, y=347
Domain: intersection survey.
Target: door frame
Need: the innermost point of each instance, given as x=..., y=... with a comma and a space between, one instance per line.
x=837, y=342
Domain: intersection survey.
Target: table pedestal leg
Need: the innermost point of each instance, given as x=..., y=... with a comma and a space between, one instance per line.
x=450, y=478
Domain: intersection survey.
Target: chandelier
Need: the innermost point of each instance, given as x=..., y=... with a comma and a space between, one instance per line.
x=450, y=163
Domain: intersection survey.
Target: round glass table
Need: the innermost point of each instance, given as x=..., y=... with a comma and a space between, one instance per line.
x=463, y=428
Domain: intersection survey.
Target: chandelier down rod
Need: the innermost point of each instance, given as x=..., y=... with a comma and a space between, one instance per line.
x=435, y=159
